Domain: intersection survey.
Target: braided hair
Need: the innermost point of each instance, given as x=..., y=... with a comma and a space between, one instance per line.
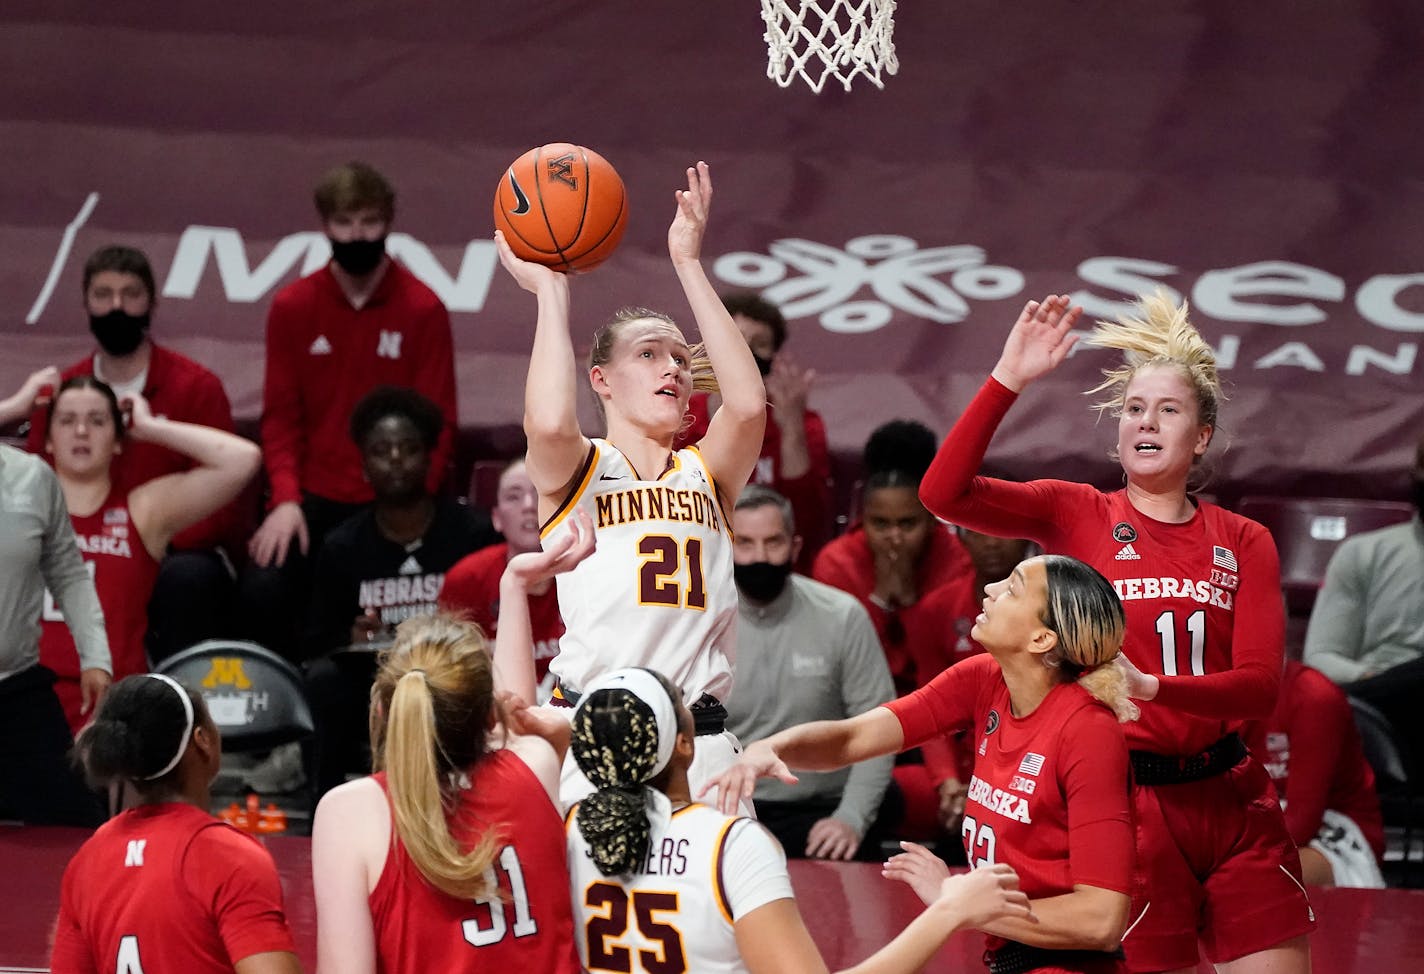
x=623, y=745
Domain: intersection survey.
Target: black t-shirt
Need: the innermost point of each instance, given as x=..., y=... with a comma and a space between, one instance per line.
x=359, y=569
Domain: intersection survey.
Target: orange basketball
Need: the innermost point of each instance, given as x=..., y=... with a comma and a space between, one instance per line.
x=562, y=205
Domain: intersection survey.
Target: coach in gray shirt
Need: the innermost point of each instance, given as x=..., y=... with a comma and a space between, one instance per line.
x=805, y=651
x=38, y=549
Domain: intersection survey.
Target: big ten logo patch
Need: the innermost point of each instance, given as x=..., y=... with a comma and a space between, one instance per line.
x=230, y=694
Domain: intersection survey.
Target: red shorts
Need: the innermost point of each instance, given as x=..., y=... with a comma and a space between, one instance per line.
x=1215, y=864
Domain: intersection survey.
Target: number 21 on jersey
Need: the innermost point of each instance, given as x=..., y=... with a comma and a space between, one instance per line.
x=670, y=574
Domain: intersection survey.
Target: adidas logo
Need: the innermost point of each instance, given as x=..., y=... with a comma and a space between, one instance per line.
x=410, y=567
x=1127, y=553
x=320, y=347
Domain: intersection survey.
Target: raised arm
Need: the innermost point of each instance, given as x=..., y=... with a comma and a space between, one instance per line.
x=556, y=445
x=734, y=436
x=27, y=398
x=166, y=505
x=1039, y=340
x=514, y=635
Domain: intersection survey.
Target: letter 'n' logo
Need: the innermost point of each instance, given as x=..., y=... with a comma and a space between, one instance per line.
x=388, y=345
x=227, y=672
x=562, y=169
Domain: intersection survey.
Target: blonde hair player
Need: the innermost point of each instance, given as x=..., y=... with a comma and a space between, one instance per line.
x=659, y=591
x=1049, y=795
x=1205, y=630
x=451, y=856
x=724, y=902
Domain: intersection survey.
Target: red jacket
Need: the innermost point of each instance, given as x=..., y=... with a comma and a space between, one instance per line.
x=182, y=390
x=323, y=355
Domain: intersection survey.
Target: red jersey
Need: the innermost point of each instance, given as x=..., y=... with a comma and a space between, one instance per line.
x=848, y=564
x=472, y=587
x=809, y=494
x=124, y=573
x=179, y=389
x=1050, y=794
x=937, y=637
x=323, y=356
x=527, y=926
x=168, y=888
x=1311, y=748
x=1203, y=598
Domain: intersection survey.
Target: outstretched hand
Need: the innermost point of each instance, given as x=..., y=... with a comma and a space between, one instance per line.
x=530, y=276
x=918, y=868
x=525, y=719
x=738, y=782
x=690, y=223
x=984, y=896
x=563, y=554
x=1038, y=342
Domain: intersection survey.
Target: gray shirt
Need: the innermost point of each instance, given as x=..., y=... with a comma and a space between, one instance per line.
x=37, y=549
x=812, y=654
x=1369, y=615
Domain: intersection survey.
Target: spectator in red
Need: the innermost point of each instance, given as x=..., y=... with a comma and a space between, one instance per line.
x=898, y=552
x=472, y=587
x=1312, y=750
x=359, y=322
x=192, y=596
x=795, y=461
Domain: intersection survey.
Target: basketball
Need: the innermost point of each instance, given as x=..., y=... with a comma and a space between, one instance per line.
x=563, y=206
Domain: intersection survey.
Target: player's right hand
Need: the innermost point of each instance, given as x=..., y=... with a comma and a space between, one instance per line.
x=529, y=568
x=738, y=782
x=530, y=276
x=983, y=896
x=1040, y=339
x=40, y=386
x=271, y=542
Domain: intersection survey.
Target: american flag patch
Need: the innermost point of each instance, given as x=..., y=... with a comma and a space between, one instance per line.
x=1223, y=558
x=1031, y=764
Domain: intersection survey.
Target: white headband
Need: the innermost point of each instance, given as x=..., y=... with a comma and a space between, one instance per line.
x=187, y=730
x=645, y=686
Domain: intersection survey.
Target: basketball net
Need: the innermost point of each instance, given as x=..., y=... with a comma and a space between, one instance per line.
x=820, y=39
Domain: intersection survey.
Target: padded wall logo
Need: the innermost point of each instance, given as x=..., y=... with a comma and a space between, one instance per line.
x=810, y=279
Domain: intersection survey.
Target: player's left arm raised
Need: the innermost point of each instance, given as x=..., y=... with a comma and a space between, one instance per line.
x=734, y=436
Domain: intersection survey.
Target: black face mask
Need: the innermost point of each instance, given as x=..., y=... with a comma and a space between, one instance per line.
x=764, y=364
x=118, y=332
x=761, y=581
x=358, y=257
x=1418, y=492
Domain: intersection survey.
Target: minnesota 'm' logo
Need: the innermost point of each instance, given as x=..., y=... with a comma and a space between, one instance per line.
x=562, y=169
x=227, y=672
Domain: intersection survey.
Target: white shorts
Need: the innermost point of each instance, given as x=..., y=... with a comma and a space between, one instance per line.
x=1343, y=845
x=712, y=754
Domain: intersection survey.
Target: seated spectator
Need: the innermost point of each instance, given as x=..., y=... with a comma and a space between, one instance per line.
x=795, y=460
x=1366, y=629
x=38, y=785
x=898, y=552
x=1312, y=750
x=359, y=322
x=382, y=566
x=193, y=593
x=122, y=530
x=805, y=651
x=192, y=894
x=472, y=588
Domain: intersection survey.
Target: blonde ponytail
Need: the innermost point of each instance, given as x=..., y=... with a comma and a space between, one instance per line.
x=1109, y=686
x=435, y=691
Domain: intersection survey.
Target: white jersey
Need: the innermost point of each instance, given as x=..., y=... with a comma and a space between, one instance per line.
x=658, y=591
x=703, y=872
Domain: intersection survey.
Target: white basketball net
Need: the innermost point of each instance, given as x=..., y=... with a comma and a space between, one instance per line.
x=820, y=39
